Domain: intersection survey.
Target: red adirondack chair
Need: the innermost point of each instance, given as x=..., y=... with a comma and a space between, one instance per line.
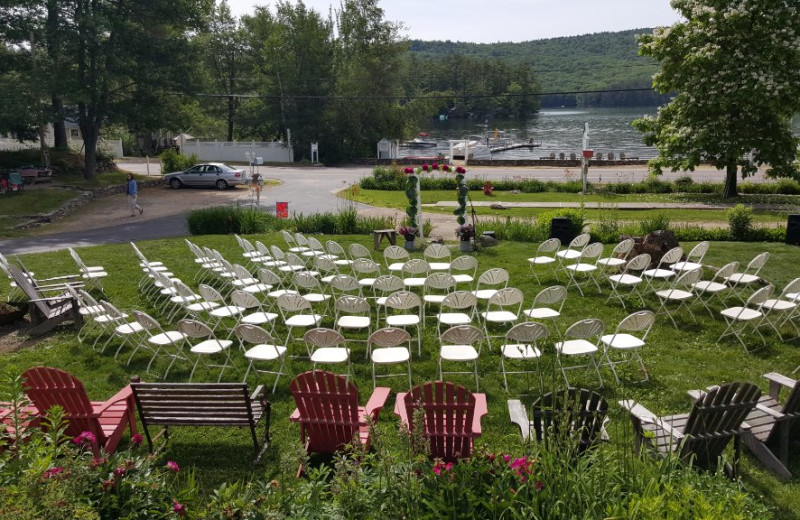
x=452, y=417
x=328, y=411
x=107, y=420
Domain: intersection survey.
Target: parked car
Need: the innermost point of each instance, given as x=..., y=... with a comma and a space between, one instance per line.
x=218, y=175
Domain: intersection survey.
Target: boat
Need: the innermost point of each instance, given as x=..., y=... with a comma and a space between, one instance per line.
x=422, y=140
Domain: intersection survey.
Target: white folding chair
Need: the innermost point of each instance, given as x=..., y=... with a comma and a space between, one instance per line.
x=709, y=289
x=694, y=260
x=383, y=286
x=739, y=282
x=223, y=311
x=245, y=281
x=92, y=311
x=395, y=257
x=315, y=249
x=750, y=314
x=157, y=340
x=457, y=308
x=278, y=286
x=265, y=256
x=618, y=257
x=438, y=256
x=208, y=345
x=628, y=346
x=352, y=313
x=573, y=250
x=249, y=252
x=296, y=313
x=415, y=271
x=264, y=349
x=781, y=310
x=342, y=284
x=366, y=271
x=585, y=267
x=389, y=346
x=503, y=308
x=547, y=305
x=663, y=272
x=489, y=282
x=121, y=327
x=92, y=275
x=576, y=343
x=545, y=255
x=680, y=293
x=521, y=345
x=326, y=267
x=629, y=278
x=437, y=286
x=458, y=345
x=291, y=242
x=308, y=287
x=302, y=243
x=464, y=268
x=253, y=312
x=192, y=303
x=397, y=307
x=358, y=251
x=337, y=253
x=325, y=346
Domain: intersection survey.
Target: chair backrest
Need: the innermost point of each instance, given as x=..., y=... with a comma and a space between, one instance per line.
x=245, y=299
x=345, y=283
x=277, y=253
x=389, y=337
x=322, y=337
x=436, y=252
x=210, y=294
x=394, y=254
x=111, y=310
x=147, y=322
x=77, y=259
x=327, y=406
x=462, y=335
x=365, y=266
x=715, y=419
x=527, y=332
x=460, y=300
x=637, y=322
x=672, y=256
x=253, y=334
x=292, y=302
x=551, y=296
x=439, y=281
x=493, y=277
x=757, y=263
x=358, y=251
x=698, y=252
x=591, y=252
x=760, y=296
x=551, y=245
x=47, y=387
x=293, y=259
x=268, y=277
x=388, y=283
x=638, y=263
x=416, y=266
x=687, y=279
x=507, y=297
x=790, y=288
x=350, y=304
x=306, y=280
x=465, y=263
x=242, y=273
x=194, y=329
x=288, y=238
x=403, y=301
x=334, y=248
x=726, y=271
x=448, y=411
x=576, y=415
x=301, y=240
x=623, y=248
x=325, y=265
x=263, y=250
x=584, y=329
x=580, y=241
x=790, y=409
x=315, y=245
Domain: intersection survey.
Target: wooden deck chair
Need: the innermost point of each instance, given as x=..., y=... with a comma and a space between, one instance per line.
x=328, y=411
x=701, y=435
x=771, y=424
x=574, y=420
x=451, y=417
x=107, y=420
x=46, y=312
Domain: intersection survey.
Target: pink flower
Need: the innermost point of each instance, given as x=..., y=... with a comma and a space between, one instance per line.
x=539, y=485
x=178, y=508
x=53, y=472
x=506, y=457
x=460, y=169
x=424, y=167
x=408, y=170
x=85, y=438
x=491, y=457
x=173, y=466
x=136, y=439
x=437, y=469
x=120, y=471
x=445, y=167
x=448, y=466
x=435, y=166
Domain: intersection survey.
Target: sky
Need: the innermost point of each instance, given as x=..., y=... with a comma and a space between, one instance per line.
x=489, y=21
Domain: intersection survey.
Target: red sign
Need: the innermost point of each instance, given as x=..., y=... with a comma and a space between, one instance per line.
x=282, y=209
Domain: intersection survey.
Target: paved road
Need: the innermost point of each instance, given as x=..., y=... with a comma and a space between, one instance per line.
x=308, y=190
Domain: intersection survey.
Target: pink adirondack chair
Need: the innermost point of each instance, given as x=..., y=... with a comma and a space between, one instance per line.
x=328, y=411
x=107, y=420
x=452, y=417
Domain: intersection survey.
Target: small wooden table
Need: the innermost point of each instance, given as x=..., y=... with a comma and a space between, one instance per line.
x=378, y=234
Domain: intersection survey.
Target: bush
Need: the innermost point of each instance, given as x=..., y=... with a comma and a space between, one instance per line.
x=172, y=161
x=224, y=220
x=740, y=221
x=519, y=230
x=659, y=222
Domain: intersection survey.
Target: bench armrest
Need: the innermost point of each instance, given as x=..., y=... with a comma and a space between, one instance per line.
x=376, y=401
x=481, y=409
x=519, y=416
x=256, y=395
x=776, y=381
x=769, y=411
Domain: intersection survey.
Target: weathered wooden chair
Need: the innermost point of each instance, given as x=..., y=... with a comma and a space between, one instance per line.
x=771, y=424
x=574, y=419
x=451, y=417
x=46, y=312
x=701, y=435
x=328, y=411
x=107, y=420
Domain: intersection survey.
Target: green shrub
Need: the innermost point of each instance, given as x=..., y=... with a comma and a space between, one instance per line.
x=607, y=230
x=538, y=230
x=172, y=161
x=740, y=221
x=659, y=222
x=684, y=183
x=224, y=220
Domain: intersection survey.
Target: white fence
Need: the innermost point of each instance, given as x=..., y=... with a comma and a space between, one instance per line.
x=276, y=152
x=113, y=146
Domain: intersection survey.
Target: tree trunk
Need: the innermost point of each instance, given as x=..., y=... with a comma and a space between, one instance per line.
x=231, y=110
x=90, y=137
x=731, y=172
x=59, y=128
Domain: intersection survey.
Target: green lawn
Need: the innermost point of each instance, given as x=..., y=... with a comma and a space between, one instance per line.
x=396, y=199
x=678, y=360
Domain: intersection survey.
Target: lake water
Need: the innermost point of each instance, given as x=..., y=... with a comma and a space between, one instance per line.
x=559, y=130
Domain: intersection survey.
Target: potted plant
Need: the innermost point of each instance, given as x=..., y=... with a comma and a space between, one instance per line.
x=410, y=234
x=465, y=234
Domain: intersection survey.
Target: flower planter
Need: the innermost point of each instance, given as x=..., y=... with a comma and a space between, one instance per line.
x=465, y=246
x=411, y=245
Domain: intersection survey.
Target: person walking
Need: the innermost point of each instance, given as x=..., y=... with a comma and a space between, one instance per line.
x=132, y=191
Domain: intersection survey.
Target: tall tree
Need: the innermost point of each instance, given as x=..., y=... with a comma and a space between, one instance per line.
x=735, y=69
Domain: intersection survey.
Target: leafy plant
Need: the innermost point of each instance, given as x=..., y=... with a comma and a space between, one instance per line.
x=172, y=161
x=740, y=221
x=659, y=222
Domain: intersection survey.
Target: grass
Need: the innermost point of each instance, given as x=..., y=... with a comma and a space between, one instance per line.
x=29, y=202
x=678, y=360
x=398, y=200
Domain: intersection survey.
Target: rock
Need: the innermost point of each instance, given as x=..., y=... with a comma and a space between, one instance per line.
x=487, y=241
x=436, y=240
x=654, y=244
x=497, y=206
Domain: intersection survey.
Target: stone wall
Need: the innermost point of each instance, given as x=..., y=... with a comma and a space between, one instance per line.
x=84, y=197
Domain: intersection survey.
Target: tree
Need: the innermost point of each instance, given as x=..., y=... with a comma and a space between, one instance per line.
x=735, y=69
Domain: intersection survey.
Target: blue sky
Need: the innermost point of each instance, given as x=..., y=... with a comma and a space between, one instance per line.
x=488, y=21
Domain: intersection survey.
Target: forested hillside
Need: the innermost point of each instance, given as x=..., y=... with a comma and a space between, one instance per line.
x=601, y=61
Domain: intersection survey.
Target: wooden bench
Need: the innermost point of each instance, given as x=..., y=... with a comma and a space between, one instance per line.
x=378, y=234
x=201, y=404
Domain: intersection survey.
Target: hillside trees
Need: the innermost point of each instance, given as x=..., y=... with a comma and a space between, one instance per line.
x=736, y=69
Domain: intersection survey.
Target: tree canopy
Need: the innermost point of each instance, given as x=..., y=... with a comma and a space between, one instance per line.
x=735, y=69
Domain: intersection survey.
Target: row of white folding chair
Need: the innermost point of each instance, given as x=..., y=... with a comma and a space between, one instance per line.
x=92, y=276
x=740, y=282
